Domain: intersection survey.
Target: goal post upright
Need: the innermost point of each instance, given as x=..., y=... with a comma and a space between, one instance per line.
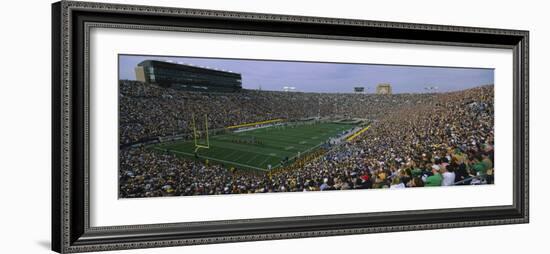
x=195, y=136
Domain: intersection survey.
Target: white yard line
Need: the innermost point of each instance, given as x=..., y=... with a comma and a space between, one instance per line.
x=264, y=160
x=252, y=158
x=215, y=159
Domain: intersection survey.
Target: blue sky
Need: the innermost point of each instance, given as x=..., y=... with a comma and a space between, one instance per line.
x=330, y=77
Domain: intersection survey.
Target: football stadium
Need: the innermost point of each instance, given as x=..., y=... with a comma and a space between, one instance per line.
x=188, y=130
x=262, y=148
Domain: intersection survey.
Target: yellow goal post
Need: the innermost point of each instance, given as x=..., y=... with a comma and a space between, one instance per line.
x=196, y=134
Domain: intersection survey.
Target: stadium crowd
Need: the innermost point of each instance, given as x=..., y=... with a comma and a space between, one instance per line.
x=148, y=111
x=415, y=140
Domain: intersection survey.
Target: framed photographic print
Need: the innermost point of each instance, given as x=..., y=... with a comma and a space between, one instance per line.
x=181, y=126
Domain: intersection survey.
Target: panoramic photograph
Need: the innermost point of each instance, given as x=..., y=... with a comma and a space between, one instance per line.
x=191, y=126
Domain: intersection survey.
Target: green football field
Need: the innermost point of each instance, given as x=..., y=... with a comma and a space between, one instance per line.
x=272, y=145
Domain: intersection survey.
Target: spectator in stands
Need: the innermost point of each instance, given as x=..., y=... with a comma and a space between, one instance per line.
x=448, y=175
x=435, y=179
x=396, y=183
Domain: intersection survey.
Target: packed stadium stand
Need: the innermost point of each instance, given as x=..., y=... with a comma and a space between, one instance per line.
x=413, y=140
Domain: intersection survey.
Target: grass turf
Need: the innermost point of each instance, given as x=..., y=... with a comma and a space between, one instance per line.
x=276, y=143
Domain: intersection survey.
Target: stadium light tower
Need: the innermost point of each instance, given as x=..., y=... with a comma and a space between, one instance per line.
x=431, y=89
x=289, y=88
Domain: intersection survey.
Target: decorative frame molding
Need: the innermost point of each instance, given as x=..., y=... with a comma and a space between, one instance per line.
x=71, y=23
